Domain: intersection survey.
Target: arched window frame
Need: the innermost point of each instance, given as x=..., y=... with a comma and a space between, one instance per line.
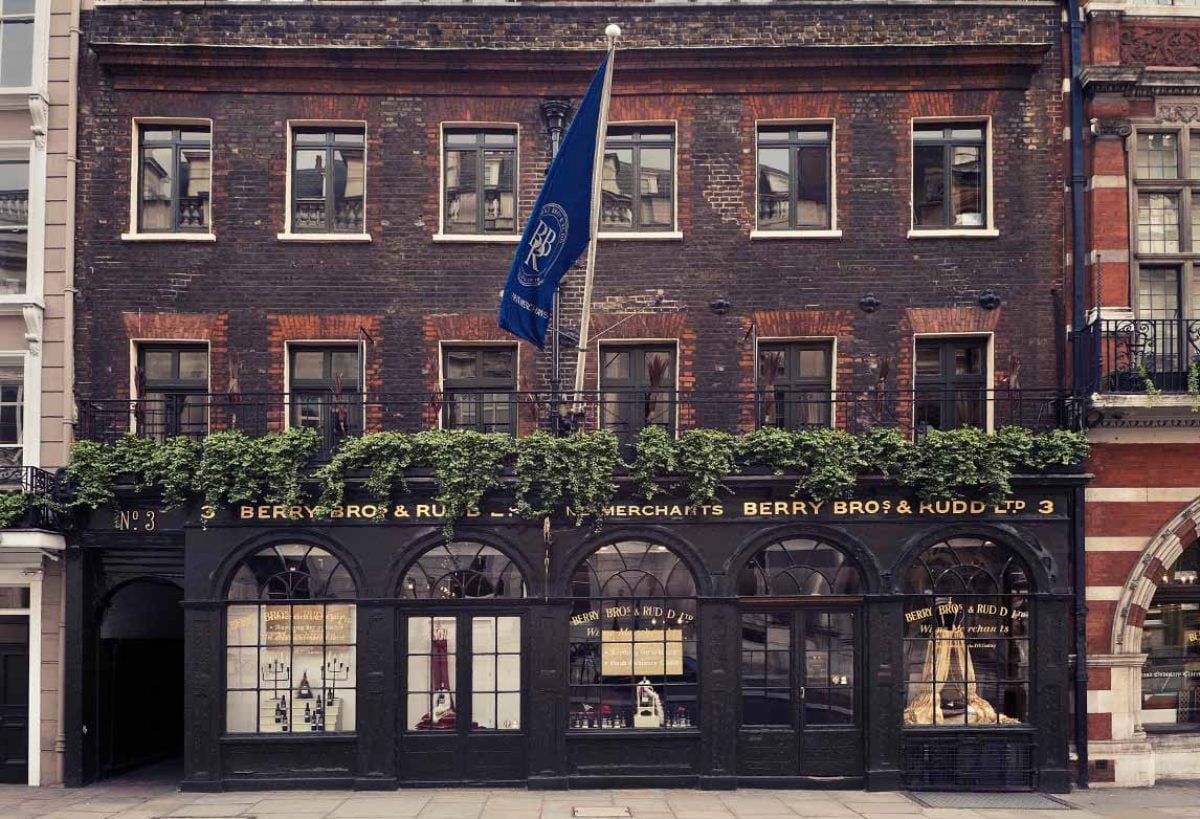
x=638, y=614
x=803, y=575
x=967, y=634
x=291, y=643
x=458, y=578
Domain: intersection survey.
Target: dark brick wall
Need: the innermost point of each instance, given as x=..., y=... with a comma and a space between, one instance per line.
x=414, y=292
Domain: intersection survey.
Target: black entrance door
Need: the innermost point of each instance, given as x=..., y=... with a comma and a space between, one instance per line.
x=463, y=708
x=14, y=700
x=800, y=692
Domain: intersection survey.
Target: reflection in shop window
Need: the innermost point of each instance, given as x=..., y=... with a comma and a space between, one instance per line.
x=1171, y=640
x=966, y=636
x=633, y=640
x=290, y=656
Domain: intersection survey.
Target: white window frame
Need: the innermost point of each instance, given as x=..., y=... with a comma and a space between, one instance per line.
x=31, y=409
x=988, y=231
x=16, y=97
x=989, y=381
x=658, y=235
x=135, y=182
x=287, y=235
x=134, y=348
x=30, y=577
x=833, y=366
x=833, y=231
x=35, y=229
x=504, y=238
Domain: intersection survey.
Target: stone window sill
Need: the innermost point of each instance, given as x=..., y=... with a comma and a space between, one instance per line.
x=168, y=237
x=479, y=238
x=324, y=237
x=795, y=234
x=955, y=233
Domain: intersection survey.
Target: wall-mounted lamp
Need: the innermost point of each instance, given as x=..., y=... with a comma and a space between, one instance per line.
x=869, y=303
x=720, y=306
x=988, y=300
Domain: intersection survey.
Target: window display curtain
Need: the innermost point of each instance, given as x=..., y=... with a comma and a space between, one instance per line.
x=947, y=662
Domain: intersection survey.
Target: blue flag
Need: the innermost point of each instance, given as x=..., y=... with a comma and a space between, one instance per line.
x=559, y=226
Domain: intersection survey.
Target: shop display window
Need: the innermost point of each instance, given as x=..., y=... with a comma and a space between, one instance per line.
x=633, y=660
x=462, y=571
x=966, y=635
x=1171, y=641
x=290, y=643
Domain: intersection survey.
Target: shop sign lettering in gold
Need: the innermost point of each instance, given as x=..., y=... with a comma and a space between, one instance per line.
x=885, y=507
x=306, y=625
x=353, y=511
x=641, y=653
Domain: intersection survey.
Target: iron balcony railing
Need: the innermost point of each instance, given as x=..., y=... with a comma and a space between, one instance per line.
x=625, y=411
x=45, y=492
x=1142, y=355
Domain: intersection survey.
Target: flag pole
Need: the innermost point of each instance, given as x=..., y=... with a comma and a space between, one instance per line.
x=613, y=33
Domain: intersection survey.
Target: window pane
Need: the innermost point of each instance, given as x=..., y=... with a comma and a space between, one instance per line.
x=13, y=261
x=772, y=134
x=926, y=133
x=308, y=190
x=308, y=365
x=158, y=365
x=158, y=166
x=814, y=363
x=655, y=184
x=461, y=364
x=348, y=138
x=16, y=53
x=345, y=367
x=1194, y=173
x=1158, y=293
x=968, y=360
x=348, y=190
x=929, y=359
x=1171, y=639
x=500, y=138
x=499, y=203
x=193, y=365
x=772, y=366
x=660, y=368
x=1158, y=223
x=812, y=206
x=968, y=188
x=194, y=188
x=461, y=195
x=497, y=363
x=616, y=188
x=774, y=189
x=616, y=364
x=309, y=137
x=459, y=138
x=929, y=186
x=1157, y=156
x=1196, y=222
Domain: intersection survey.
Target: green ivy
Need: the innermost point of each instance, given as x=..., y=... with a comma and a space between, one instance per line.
x=467, y=465
x=655, y=457
x=571, y=475
x=386, y=456
x=13, y=506
x=705, y=458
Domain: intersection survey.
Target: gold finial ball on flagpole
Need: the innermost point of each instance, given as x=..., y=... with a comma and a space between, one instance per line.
x=613, y=31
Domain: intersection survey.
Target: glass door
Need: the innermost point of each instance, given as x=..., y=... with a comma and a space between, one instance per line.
x=463, y=711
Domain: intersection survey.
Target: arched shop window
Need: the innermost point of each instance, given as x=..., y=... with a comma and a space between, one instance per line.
x=489, y=676
x=633, y=640
x=966, y=635
x=791, y=655
x=1171, y=640
x=462, y=571
x=289, y=635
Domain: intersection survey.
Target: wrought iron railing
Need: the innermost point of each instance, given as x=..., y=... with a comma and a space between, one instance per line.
x=626, y=412
x=1142, y=355
x=45, y=491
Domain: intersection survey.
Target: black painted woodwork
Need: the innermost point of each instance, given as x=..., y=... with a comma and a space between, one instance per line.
x=14, y=699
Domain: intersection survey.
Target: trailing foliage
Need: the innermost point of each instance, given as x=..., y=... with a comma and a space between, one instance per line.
x=386, y=456
x=572, y=475
x=467, y=464
x=13, y=506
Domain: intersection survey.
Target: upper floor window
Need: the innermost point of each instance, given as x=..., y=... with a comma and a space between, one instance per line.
x=479, y=385
x=14, y=220
x=172, y=390
x=16, y=43
x=637, y=388
x=328, y=179
x=794, y=177
x=479, y=170
x=12, y=414
x=951, y=383
x=326, y=390
x=795, y=383
x=950, y=176
x=638, y=182
x=175, y=179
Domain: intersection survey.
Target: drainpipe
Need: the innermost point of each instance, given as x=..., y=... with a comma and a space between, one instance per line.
x=1078, y=369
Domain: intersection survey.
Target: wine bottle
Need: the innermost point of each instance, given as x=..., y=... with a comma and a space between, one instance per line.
x=305, y=691
x=307, y=714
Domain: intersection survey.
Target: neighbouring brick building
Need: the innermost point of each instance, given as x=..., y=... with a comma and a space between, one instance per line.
x=813, y=214
x=1143, y=300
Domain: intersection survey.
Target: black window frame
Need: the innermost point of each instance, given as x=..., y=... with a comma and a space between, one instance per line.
x=793, y=410
x=631, y=136
x=637, y=390
x=948, y=142
x=177, y=144
x=794, y=142
x=480, y=150
x=176, y=392
x=949, y=386
x=329, y=145
x=331, y=427
x=480, y=387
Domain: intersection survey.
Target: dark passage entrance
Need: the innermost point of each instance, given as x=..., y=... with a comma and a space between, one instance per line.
x=14, y=700
x=140, y=676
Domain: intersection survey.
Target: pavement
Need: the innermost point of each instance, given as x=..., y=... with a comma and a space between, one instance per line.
x=135, y=798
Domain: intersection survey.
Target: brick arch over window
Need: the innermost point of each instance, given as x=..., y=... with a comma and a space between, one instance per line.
x=1161, y=554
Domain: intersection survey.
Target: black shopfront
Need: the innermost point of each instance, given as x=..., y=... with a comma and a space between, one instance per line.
x=881, y=642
